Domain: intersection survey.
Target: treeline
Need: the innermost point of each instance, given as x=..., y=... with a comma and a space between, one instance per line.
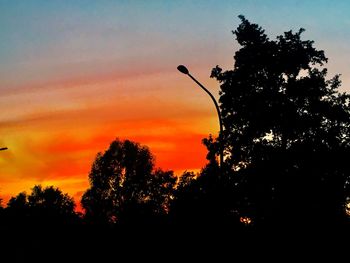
x=130, y=205
x=127, y=189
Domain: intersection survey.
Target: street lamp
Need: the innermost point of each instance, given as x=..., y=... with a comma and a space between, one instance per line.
x=185, y=71
x=3, y=149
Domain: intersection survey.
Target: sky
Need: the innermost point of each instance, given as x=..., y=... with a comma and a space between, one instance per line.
x=75, y=75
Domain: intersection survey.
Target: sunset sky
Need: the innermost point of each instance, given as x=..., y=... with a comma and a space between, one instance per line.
x=74, y=75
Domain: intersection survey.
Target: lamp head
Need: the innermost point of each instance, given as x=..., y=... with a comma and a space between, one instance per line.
x=183, y=69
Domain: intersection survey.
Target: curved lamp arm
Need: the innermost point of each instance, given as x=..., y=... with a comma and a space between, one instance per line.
x=185, y=71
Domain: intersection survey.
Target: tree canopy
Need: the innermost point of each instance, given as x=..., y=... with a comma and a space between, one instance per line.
x=125, y=186
x=42, y=205
x=286, y=128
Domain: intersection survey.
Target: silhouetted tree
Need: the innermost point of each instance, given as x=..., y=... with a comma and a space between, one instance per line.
x=124, y=186
x=185, y=200
x=286, y=129
x=44, y=205
x=17, y=207
x=51, y=202
x=206, y=199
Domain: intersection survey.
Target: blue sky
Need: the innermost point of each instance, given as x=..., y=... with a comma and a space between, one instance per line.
x=57, y=32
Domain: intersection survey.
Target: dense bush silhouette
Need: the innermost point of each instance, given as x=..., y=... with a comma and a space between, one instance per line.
x=40, y=223
x=47, y=205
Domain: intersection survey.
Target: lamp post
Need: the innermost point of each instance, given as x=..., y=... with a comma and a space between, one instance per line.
x=185, y=71
x=3, y=149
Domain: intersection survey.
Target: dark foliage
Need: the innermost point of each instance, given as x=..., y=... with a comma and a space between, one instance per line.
x=44, y=206
x=125, y=187
x=286, y=130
